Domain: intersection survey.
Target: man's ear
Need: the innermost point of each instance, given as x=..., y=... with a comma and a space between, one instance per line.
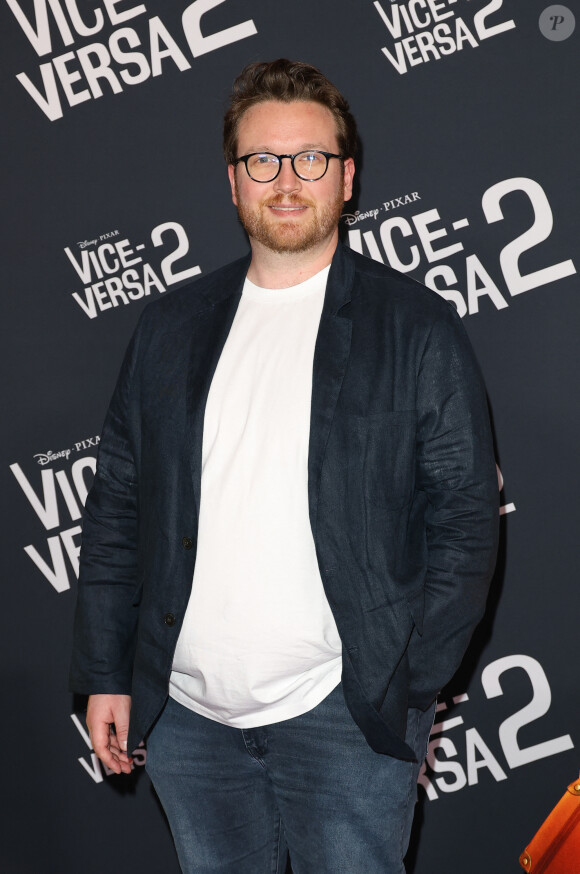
x=232, y=178
x=349, y=169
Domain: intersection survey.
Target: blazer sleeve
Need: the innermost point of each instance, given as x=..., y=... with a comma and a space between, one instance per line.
x=457, y=473
x=104, y=636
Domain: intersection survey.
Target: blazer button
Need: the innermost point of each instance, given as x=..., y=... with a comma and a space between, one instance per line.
x=169, y=619
x=186, y=542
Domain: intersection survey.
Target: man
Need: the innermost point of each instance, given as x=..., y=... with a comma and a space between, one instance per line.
x=293, y=524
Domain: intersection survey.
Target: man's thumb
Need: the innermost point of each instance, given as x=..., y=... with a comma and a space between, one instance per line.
x=122, y=730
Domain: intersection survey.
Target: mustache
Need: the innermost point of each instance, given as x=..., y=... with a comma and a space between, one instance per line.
x=287, y=200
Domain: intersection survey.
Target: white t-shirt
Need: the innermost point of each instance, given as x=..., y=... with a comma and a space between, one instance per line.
x=259, y=643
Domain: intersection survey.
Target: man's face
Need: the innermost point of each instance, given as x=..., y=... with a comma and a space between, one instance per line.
x=290, y=214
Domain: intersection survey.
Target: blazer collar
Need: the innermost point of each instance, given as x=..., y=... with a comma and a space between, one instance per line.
x=228, y=281
x=338, y=289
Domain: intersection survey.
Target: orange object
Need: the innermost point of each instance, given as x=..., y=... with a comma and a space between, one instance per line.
x=555, y=848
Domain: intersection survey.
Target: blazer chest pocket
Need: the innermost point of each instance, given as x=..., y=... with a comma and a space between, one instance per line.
x=385, y=445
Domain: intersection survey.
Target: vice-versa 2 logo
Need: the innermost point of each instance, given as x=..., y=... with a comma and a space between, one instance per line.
x=89, y=60
x=415, y=234
x=421, y=31
x=115, y=271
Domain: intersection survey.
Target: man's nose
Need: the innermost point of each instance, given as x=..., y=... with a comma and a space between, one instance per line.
x=287, y=180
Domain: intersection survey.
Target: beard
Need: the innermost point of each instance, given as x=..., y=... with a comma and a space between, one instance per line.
x=283, y=236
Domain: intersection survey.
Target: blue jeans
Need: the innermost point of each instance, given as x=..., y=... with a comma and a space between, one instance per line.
x=238, y=799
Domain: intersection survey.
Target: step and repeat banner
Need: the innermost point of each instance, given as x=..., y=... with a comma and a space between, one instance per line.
x=115, y=192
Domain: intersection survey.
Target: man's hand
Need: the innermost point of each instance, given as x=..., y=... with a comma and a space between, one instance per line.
x=108, y=724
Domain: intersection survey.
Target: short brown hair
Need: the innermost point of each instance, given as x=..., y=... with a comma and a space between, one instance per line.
x=286, y=81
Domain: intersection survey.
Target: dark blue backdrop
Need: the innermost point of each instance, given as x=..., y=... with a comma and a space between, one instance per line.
x=115, y=191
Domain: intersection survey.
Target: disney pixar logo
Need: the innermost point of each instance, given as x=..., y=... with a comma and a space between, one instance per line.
x=50, y=456
x=352, y=218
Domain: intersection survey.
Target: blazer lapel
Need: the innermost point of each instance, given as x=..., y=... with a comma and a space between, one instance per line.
x=210, y=328
x=331, y=355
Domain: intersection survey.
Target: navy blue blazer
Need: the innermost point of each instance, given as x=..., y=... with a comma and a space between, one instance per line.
x=402, y=489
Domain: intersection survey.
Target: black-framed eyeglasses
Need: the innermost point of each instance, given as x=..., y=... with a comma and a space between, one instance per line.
x=309, y=165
